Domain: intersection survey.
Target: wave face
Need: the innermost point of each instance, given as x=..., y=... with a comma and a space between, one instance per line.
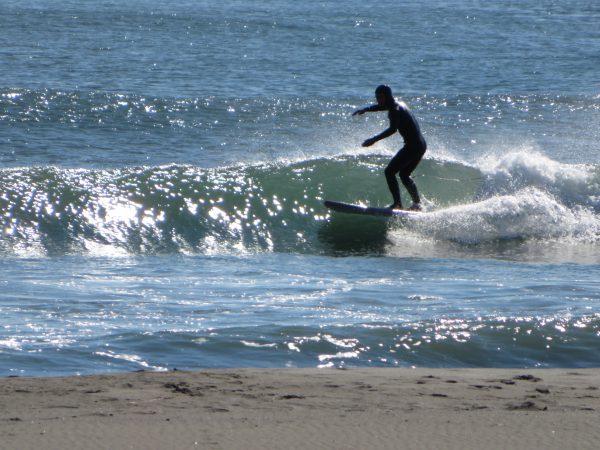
x=278, y=207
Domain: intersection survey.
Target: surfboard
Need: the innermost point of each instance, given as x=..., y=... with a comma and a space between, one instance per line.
x=368, y=210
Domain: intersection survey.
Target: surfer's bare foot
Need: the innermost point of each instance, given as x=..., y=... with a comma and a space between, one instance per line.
x=415, y=207
x=395, y=206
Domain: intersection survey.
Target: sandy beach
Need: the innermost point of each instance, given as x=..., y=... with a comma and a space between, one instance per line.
x=306, y=408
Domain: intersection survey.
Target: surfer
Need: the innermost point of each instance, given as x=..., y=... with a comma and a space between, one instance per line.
x=407, y=159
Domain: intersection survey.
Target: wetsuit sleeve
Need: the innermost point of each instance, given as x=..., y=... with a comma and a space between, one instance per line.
x=374, y=108
x=384, y=134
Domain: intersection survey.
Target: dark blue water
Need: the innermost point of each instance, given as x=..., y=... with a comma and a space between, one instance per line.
x=163, y=167
x=283, y=48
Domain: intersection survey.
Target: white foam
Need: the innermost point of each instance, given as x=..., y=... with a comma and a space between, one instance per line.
x=571, y=184
x=526, y=214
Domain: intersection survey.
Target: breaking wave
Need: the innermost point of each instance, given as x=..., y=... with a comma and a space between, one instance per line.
x=519, y=197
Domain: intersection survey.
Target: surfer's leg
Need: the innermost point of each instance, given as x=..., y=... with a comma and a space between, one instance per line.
x=411, y=187
x=407, y=181
x=390, y=175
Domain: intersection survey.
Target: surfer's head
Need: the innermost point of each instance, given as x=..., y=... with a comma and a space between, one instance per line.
x=384, y=95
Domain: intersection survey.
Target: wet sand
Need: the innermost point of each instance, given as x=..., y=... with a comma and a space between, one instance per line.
x=305, y=409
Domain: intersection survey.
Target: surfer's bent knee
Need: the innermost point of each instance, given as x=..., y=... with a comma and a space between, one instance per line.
x=390, y=171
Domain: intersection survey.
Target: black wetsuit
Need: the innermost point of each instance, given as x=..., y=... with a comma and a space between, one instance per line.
x=407, y=159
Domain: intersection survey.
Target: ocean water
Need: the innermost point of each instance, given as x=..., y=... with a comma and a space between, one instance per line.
x=163, y=167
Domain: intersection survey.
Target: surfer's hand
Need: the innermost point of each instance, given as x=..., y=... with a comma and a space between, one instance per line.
x=358, y=112
x=368, y=142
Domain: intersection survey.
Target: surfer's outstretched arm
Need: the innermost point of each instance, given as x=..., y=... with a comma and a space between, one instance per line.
x=372, y=108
